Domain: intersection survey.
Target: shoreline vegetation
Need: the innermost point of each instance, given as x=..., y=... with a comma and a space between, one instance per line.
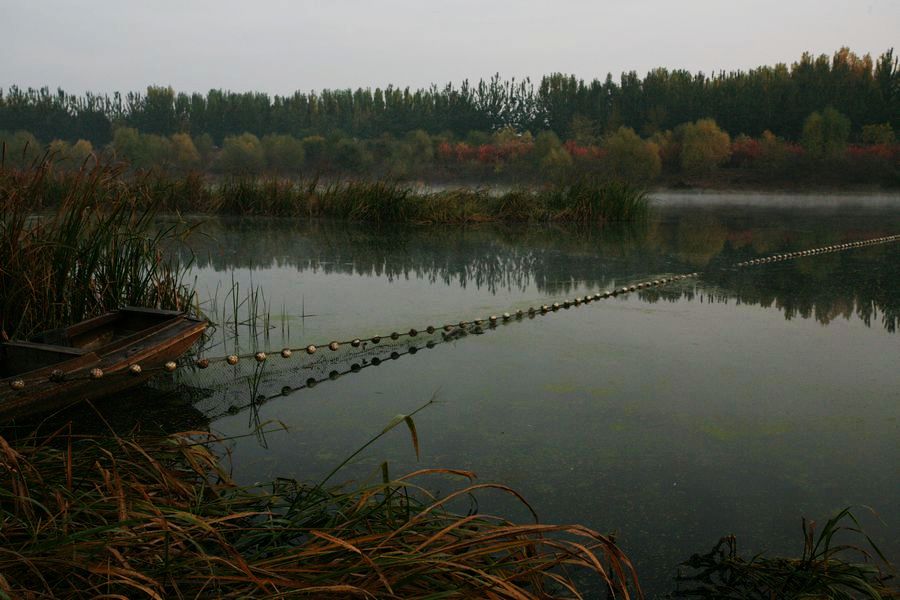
x=820, y=122
x=41, y=186
x=160, y=517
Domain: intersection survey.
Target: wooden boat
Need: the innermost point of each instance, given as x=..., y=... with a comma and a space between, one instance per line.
x=60, y=367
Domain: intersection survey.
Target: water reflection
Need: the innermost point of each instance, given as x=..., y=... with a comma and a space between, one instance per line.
x=672, y=414
x=556, y=260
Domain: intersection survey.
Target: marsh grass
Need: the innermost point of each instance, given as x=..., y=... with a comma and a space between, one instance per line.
x=583, y=200
x=98, y=249
x=161, y=517
x=829, y=567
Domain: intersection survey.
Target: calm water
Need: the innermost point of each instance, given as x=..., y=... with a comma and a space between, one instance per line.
x=733, y=404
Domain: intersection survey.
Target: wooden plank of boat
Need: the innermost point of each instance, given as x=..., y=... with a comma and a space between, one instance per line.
x=111, y=342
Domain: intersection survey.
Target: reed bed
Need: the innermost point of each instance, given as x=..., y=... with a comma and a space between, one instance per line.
x=98, y=248
x=583, y=200
x=160, y=517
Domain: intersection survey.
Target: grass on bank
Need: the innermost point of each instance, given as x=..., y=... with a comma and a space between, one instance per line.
x=583, y=199
x=99, y=248
x=160, y=517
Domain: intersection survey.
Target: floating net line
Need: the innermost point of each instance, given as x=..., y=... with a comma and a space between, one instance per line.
x=262, y=371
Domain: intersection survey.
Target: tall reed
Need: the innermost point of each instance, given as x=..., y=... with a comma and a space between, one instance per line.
x=99, y=249
x=582, y=200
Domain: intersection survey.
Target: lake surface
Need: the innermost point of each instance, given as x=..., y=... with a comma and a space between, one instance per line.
x=734, y=403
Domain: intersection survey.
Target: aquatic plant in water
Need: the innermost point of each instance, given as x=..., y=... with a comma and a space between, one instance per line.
x=828, y=568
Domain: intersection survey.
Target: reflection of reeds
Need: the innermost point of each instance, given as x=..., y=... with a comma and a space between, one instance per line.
x=99, y=250
x=88, y=516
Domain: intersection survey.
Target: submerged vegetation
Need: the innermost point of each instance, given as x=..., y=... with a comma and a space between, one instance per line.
x=98, y=250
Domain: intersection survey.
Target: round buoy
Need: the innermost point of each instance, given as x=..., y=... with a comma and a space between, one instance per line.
x=135, y=369
x=17, y=384
x=311, y=349
x=170, y=366
x=203, y=363
x=232, y=359
x=333, y=346
x=260, y=357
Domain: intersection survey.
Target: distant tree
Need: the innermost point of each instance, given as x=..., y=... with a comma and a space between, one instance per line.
x=420, y=146
x=825, y=134
x=126, y=143
x=184, y=153
x=584, y=130
x=703, y=146
x=314, y=149
x=81, y=151
x=351, y=155
x=881, y=133
x=21, y=147
x=545, y=143
x=284, y=153
x=242, y=154
x=631, y=158
x=205, y=147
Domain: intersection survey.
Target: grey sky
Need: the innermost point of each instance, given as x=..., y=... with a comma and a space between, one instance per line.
x=282, y=46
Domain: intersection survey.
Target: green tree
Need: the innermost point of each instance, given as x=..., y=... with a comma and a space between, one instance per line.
x=284, y=153
x=184, y=153
x=205, y=147
x=881, y=133
x=126, y=143
x=21, y=147
x=242, y=154
x=703, y=146
x=631, y=158
x=825, y=134
x=314, y=147
x=350, y=155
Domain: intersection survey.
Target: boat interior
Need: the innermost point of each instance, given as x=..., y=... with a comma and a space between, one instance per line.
x=100, y=335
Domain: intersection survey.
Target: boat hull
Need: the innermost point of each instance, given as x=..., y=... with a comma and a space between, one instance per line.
x=56, y=386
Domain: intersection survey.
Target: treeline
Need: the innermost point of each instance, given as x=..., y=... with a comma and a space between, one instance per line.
x=770, y=98
x=695, y=153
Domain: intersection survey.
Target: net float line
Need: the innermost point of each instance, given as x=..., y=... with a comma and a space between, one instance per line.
x=445, y=328
x=822, y=250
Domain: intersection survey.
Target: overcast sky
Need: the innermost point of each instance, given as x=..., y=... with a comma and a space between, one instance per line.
x=282, y=46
